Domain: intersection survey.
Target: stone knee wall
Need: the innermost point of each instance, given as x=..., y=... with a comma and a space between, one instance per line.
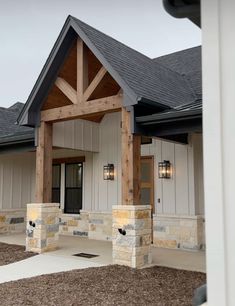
x=179, y=232
x=132, y=235
x=12, y=221
x=94, y=225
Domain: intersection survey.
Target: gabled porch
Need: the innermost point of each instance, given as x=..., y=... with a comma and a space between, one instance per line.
x=84, y=103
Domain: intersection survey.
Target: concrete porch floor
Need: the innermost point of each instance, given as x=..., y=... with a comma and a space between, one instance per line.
x=68, y=246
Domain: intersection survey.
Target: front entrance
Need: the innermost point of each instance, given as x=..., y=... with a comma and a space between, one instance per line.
x=71, y=183
x=147, y=182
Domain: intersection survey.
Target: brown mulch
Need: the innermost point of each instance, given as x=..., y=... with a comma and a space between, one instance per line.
x=111, y=285
x=10, y=253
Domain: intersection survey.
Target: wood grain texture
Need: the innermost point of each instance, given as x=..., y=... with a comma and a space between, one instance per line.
x=44, y=164
x=91, y=108
x=82, y=70
x=67, y=89
x=95, y=82
x=131, y=147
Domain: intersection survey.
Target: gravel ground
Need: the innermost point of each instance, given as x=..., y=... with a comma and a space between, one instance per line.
x=10, y=253
x=111, y=285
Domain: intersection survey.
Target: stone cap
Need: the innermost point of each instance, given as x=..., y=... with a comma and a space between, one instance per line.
x=131, y=207
x=43, y=205
x=195, y=217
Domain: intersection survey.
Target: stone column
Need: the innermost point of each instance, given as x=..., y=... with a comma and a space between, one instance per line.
x=42, y=231
x=132, y=235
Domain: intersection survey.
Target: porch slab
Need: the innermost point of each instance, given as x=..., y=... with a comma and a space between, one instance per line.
x=188, y=260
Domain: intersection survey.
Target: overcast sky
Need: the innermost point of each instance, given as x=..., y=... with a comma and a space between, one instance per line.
x=29, y=28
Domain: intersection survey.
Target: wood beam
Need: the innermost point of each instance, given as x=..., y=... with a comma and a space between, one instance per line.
x=67, y=89
x=69, y=112
x=44, y=164
x=95, y=82
x=69, y=160
x=131, y=147
x=82, y=70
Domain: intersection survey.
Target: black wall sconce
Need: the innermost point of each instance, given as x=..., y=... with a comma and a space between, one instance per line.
x=164, y=169
x=108, y=172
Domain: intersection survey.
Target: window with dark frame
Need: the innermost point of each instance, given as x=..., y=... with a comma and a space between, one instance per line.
x=73, y=188
x=56, y=178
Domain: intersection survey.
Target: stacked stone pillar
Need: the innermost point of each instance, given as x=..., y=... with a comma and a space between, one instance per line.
x=132, y=235
x=42, y=231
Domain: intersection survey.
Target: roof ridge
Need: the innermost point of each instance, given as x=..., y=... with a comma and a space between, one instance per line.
x=142, y=54
x=176, y=52
x=79, y=20
x=126, y=46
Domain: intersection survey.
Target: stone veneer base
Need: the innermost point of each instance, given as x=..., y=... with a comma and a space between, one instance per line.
x=183, y=232
x=132, y=249
x=12, y=221
x=43, y=233
x=95, y=225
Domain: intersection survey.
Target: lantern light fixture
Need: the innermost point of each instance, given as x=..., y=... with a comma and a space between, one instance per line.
x=164, y=169
x=108, y=172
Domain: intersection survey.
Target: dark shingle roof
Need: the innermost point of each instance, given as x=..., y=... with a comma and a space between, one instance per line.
x=156, y=82
x=187, y=63
x=8, y=128
x=153, y=81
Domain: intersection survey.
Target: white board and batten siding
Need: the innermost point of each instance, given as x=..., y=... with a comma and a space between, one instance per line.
x=17, y=180
x=101, y=144
x=76, y=134
x=182, y=194
x=107, y=193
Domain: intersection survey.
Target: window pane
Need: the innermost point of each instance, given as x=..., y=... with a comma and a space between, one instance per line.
x=56, y=176
x=74, y=175
x=55, y=195
x=73, y=188
x=73, y=200
x=145, y=196
x=145, y=172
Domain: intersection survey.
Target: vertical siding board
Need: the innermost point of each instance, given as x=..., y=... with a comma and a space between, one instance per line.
x=169, y=184
x=16, y=183
x=87, y=136
x=78, y=134
x=191, y=188
x=1, y=185
x=113, y=158
x=58, y=134
x=181, y=179
x=95, y=197
x=158, y=194
x=95, y=138
x=87, y=183
x=103, y=159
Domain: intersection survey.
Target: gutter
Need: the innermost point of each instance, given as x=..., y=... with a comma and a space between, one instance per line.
x=169, y=117
x=17, y=139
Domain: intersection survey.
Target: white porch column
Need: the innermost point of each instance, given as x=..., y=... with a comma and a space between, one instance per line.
x=218, y=54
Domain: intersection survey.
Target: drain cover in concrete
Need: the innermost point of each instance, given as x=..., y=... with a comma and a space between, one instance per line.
x=85, y=255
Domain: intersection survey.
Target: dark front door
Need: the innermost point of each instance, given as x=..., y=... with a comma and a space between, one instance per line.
x=73, y=188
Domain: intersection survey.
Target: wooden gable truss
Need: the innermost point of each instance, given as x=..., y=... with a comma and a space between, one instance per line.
x=83, y=89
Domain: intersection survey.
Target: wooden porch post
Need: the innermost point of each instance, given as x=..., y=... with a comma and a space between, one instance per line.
x=44, y=164
x=131, y=221
x=131, y=146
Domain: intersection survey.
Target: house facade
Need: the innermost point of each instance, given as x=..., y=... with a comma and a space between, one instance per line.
x=86, y=155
